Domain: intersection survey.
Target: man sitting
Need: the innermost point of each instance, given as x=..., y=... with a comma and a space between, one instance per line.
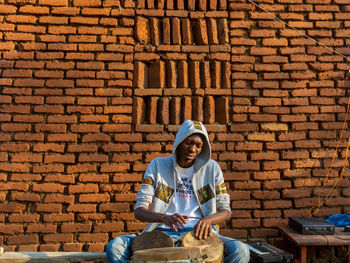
x=187, y=192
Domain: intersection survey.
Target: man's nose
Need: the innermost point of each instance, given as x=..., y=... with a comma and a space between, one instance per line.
x=192, y=148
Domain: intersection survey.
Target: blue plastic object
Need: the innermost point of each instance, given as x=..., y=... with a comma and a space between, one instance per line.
x=339, y=219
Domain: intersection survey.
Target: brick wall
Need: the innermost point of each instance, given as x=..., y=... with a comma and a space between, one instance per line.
x=92, y=91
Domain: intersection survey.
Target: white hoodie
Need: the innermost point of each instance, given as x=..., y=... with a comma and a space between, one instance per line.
x=160, y=179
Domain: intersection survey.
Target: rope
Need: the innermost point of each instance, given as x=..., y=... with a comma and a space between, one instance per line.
x=300, y=32
x=314, y=209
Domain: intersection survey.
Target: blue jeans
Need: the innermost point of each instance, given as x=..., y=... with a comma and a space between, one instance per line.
x=118, y=250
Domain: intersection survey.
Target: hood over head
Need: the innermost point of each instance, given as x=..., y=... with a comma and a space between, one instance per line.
x=188, y=128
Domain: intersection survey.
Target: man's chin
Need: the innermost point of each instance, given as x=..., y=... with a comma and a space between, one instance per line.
x=189, y=162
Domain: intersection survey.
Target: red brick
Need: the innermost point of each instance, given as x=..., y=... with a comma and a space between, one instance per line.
x=265, y=156
x=23, y=218
x=59, y=198
x=108, y=227
x=28, y=118
x=263, y=117
x=241, y=166
x=49, y=247
x=97, y=247
x=11, y=229
x=115, y=207
x=58, y=238
x=60, y=179
x=266, y=195
x=295, y=155
x=269, y=213
x=73, y=228
x=48, y=187
x=49, y=208
x=266, y=175
x=279, y=145
x=261, y=137
x=9, y=127
x=26, y=197
x=124, y=216
x=22, y=239
x=15, y=186
x=125, y=197
x=58, y=217
x=58, y=158
x=72, y=247
x=82, y=208
x=90, y=216
x=83, y=188
x=14, y=167
x=41, y=147
x=245, y=204
x=93, y=158
x=94, y=198
x=29, y=83
x=81, y=168
x=93, y=177
x=41, y=228
x=103, y=237
x=3, y=157
x=70, y=11
x=277, y=204
x=135, y=226
x=96, y=137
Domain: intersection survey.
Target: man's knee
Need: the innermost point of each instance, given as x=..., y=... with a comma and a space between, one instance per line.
x=243, y=250
x=118, y=249
x=114, y=245
x=236, y=251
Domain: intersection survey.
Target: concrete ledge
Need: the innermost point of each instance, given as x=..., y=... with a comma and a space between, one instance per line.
x=34, y=257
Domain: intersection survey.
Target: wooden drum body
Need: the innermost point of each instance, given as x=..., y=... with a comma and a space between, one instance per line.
x=157, y=246
x=154, y=239
x=168, y=254
x=212, y=246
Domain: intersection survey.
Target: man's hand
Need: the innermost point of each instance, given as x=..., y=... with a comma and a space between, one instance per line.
x=203, y=228
x=175, y=221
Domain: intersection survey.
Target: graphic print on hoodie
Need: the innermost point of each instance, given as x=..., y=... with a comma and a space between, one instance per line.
x=184, y=201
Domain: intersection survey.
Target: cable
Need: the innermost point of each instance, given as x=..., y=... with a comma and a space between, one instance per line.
x=314, y=209
x=347, y=252
x=302, y=33
x=334, y=257
x=331, y=192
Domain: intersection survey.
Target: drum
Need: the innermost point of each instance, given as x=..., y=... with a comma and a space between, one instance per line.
x=153, y=239
x=169, y=254
x=212, y=246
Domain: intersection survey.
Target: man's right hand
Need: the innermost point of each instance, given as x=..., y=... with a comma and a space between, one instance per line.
x=175, y=221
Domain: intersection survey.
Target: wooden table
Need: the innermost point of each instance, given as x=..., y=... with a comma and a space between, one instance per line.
x=340, y=238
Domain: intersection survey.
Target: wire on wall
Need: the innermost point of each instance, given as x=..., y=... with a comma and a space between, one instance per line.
x=321, y=201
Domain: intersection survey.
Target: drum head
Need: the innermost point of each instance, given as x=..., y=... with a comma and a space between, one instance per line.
x=154, y=239
x=166, y=254
x=212, y=246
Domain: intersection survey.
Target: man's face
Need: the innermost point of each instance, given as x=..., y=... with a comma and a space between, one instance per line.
x=189, y=149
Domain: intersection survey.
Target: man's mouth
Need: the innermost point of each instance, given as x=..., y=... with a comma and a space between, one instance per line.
x=189, y=157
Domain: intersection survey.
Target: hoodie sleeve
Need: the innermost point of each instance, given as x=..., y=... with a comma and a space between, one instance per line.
x=146, y=192
x=222, y=197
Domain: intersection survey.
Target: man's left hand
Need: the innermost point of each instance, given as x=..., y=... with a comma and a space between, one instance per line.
x=203, y=228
